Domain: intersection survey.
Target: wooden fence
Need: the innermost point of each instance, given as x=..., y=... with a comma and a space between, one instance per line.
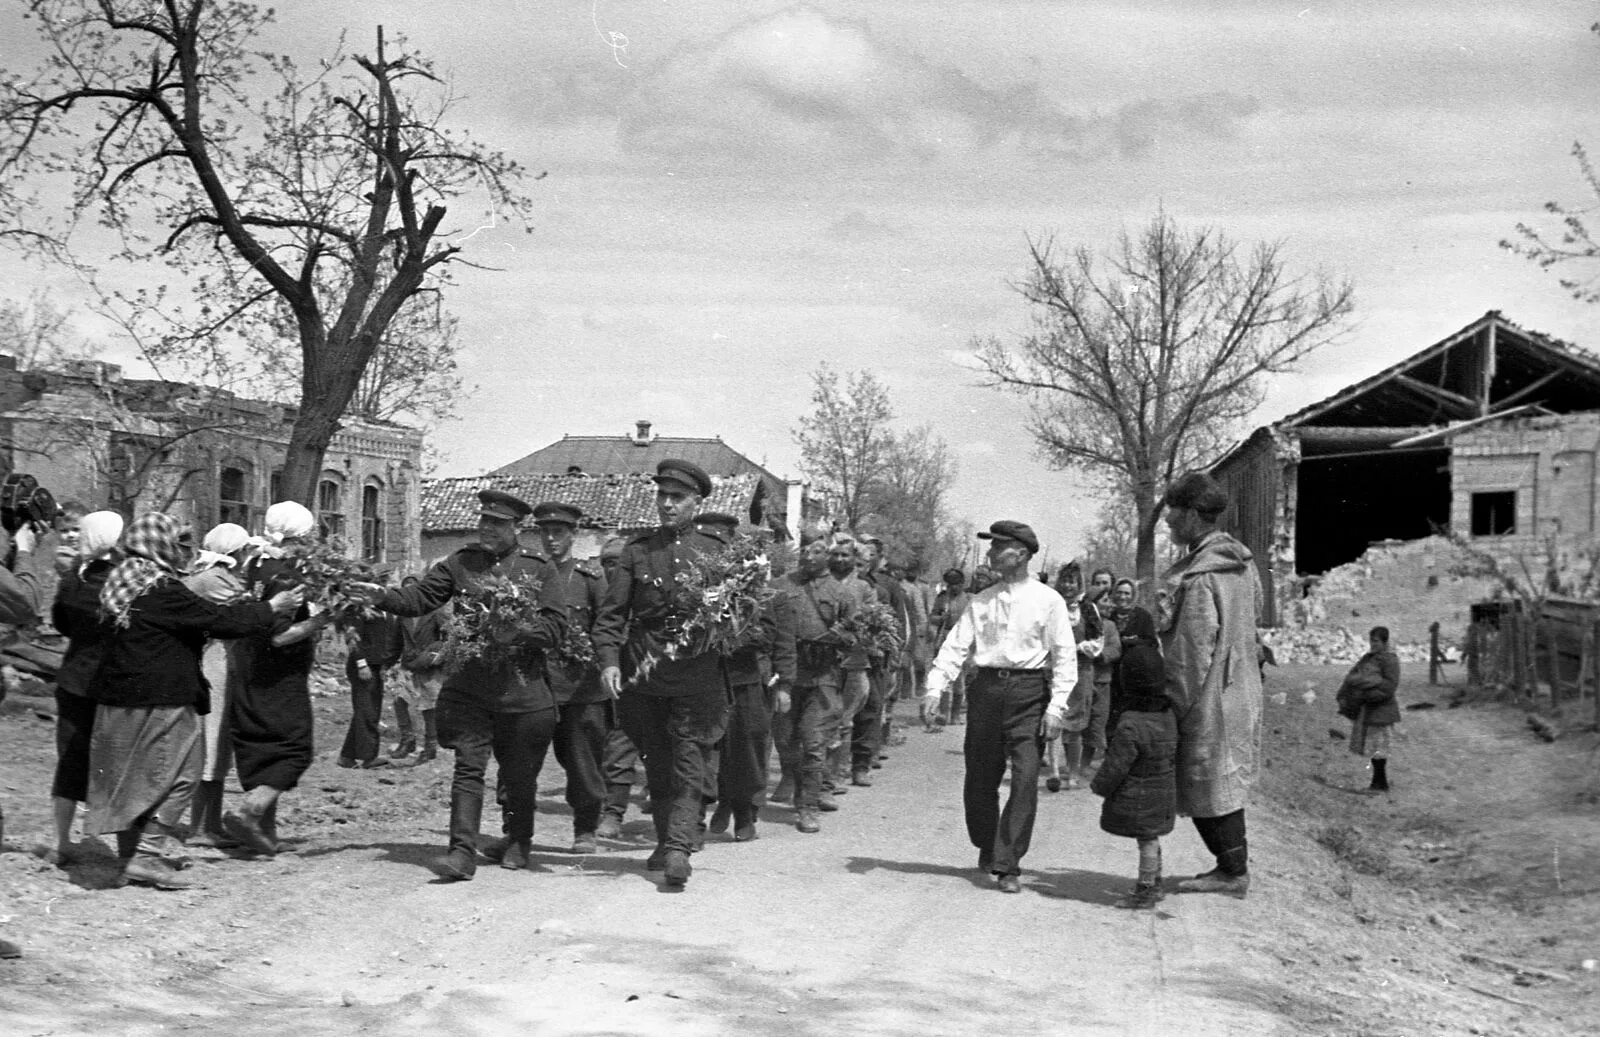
x=1555, y=656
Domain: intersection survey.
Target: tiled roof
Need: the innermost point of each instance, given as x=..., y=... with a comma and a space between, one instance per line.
x=608, y=501
x=619, y=455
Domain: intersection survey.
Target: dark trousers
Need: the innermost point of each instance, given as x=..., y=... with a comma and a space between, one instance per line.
x=517, y=741
x=620, y=765
x=366, y=708
x=1094, y=736
x=1003, y=715
x=580, y=742
x=866, y=733
x=676, y=736
x=804, y=732
x=742, y=769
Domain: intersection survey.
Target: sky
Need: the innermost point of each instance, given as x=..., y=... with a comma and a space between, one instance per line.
x=737, y=192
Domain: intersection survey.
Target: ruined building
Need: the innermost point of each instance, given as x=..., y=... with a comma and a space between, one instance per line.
x=89, y=434
x=1489, y=433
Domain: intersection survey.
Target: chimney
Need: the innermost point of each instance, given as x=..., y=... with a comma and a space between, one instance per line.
x=641, y=433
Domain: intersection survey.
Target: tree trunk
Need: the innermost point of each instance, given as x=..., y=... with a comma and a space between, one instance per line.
x=308, y=444
x=1144, y=550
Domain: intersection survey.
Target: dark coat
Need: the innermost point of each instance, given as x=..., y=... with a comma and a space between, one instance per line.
x=1138, y=777
x=378, y=642
x=1372, y=683
x=76, y=613
x=155, y=659
x=643, y=607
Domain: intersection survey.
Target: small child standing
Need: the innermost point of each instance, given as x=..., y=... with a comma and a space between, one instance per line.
x=1367, y=700
x=1138, y=777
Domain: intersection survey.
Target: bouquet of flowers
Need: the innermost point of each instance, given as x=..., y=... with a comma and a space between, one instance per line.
x=328, y=576
x=874, y=628
x=577, y=649
x=487, y=624
x=718, y=603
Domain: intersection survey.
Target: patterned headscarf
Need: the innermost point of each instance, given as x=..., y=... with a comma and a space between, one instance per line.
x=288, y=519
x=151, y=555
x=219, y=546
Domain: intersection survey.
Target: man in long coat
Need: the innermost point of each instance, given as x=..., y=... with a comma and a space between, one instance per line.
x=1210, y=606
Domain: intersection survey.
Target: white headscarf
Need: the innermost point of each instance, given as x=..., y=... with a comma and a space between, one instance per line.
x=98, y=532
x=219, y=546
x=288, y=519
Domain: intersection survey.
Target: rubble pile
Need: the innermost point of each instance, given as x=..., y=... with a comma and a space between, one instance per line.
x=1403, y=585
x=1341, y=645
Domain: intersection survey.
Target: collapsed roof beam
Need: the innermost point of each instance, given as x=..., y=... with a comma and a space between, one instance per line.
x=1455, y=403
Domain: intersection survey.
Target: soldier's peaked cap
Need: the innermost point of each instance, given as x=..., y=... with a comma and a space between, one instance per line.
x=717, y=518
x=684, y=474
x=502, y=505
x=557, y=512
x=1007, y=529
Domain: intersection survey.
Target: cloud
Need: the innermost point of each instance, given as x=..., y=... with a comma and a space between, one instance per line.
x=801, y=89
x=856, y=226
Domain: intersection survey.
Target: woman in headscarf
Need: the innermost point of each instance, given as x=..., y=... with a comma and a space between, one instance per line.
x=216, y=578
x=271, y=715
x=146, y=740
x=76, y=614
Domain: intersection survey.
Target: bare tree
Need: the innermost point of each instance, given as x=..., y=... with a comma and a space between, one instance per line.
x=1145, y=361
x=315, y=197
x=1570, y=241
x=906, y=504
x=845, y=441
x=36, y=332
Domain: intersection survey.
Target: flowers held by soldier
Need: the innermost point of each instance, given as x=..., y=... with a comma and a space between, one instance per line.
x=717, y=605
x=874, y=628
x=490, y=624
x=332, y=579
x=577, y=648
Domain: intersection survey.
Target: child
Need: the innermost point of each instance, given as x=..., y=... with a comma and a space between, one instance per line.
x=1138, y=778
x=1367, y=700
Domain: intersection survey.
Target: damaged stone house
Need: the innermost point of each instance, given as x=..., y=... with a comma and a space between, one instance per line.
x=1490, y=433
x=89, y=434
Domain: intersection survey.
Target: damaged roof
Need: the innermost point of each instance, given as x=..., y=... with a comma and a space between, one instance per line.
x=1490, y=365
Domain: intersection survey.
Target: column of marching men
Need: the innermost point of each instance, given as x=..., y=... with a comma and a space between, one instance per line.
x=184, y=666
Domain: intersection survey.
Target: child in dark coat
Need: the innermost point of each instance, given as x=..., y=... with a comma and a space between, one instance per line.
x=1138, y=778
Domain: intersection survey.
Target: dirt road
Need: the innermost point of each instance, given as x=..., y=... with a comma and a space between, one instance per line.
x=880, y=925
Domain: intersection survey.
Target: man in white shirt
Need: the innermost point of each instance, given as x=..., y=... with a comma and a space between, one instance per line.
x=1017, y=635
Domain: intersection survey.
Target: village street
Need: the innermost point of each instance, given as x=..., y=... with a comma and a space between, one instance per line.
x=880, y=925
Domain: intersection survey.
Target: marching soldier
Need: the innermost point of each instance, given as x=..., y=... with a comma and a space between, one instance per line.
x=758, y=678
x=677, y=709
x=585, y=713
x=620, y=760
x=504, y=711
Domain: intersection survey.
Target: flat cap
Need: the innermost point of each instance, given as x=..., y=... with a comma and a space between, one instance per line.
x=557, y=512
x=717, y=518
x=502, y=505
x=1007, y=529
x=684, y=474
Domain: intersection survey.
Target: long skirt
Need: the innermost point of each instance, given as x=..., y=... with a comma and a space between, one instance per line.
x=272, y=730
x=139, y=757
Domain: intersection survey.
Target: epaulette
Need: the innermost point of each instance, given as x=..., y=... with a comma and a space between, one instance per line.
x=535, y=556
x=716, y=535
x=583, y=567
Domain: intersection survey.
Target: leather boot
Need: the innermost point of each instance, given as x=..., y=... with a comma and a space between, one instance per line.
x=466, y=812
x=720, y=818
x=430, y=736
x=805, y=820
x=1231, y=876
x=408, y=734
x=784, y=793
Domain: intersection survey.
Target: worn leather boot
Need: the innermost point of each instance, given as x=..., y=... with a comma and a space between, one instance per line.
x=784, y=793
x=677, y=868
x=430, y=736
x=805, y=820
x=720, y=818
x=1145, y=896
x=461, y=862
x=1230, y=877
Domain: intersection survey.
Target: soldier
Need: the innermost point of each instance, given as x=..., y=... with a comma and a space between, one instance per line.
x=947, y=607
x=677, y=710
x=758, y=676
x=810, y=605
x=1017, y=634
x=505, y=711
x=620, y=760
x=586, y=713
x=870, y=731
